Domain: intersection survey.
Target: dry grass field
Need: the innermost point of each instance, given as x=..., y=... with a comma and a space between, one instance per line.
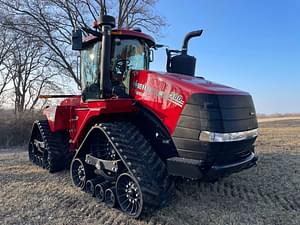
x=266, y=194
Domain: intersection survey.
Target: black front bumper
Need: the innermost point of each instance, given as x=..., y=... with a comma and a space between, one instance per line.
x=196, y=169
x=223, y=170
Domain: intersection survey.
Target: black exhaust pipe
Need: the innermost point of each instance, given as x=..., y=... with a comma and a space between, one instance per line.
x=106, y=24
x=187, y=38
x=179, y=61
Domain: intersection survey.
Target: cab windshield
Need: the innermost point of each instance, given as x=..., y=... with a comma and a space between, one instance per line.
x=127, y=54
x=134, y=51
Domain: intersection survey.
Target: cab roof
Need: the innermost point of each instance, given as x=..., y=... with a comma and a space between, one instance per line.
x=126, y=33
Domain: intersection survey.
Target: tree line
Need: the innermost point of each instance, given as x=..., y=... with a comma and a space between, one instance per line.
x=35, y=42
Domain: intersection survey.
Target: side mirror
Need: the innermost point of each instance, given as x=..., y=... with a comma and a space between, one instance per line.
x=77, y=40
x=151, y=55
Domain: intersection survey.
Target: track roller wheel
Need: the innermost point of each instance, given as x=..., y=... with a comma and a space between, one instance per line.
x=110, y=197
x=46, y=163
x=91, y=185
x=129, y=195
x=100, y=190
x=31, y=152
x=34, y=159
x=40, y=161
x=79, y=173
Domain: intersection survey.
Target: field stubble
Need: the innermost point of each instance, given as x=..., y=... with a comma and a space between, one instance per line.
x=266, y=194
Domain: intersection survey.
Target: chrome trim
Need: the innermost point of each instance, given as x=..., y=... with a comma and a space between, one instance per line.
x=208, y=136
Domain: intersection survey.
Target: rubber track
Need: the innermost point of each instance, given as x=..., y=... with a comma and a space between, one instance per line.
x=56, y=145
x=229, y=189
x=141, y=161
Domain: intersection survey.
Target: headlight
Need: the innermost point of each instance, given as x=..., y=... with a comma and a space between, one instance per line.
x=208, y=136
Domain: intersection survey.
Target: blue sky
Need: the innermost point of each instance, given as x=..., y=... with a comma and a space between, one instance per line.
x=248, y=44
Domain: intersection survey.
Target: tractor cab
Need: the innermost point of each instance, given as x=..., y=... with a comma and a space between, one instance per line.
x=107, y=59
x=127, y=53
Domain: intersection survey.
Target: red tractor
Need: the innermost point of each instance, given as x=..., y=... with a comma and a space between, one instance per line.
x=132, y=130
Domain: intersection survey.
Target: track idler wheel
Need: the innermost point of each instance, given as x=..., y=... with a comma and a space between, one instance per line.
x=110, y=197
x=129, y=195
x=100, y=190
x=79, y=173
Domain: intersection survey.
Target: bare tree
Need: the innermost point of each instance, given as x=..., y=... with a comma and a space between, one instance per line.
x=129, y=13
x=54, y=20
x=52, y=24
x=140, y=13
x=6, y=48
x=30, y=72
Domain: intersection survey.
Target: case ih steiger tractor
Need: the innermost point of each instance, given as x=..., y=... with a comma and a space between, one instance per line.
x=132, y=130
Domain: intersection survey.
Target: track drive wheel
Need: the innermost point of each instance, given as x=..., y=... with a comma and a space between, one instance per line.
x=129, y=195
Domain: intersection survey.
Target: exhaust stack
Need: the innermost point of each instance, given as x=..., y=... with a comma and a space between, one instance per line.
x=179, y=61
x=187, y=38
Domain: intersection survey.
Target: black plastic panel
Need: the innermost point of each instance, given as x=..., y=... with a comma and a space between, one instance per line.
x=183, y=64
x=223, y=101
x=184, y=167
x=185, y=132
x=215, y=113
x=194, y=155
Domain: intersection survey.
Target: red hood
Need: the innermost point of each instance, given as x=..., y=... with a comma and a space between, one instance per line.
x=166, y=94
x=199, y=85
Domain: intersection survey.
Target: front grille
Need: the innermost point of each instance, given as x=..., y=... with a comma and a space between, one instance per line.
x=215, y=113
x=219, y=113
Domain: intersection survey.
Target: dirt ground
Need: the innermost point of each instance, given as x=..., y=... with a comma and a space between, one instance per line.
x=266, y=194
x=274, y=119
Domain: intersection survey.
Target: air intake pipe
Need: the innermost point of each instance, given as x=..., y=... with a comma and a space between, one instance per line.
x=106, y=24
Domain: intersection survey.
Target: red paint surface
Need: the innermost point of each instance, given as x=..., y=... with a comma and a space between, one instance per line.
x=130, y=33
x=183, y=85
x=76, y=116
x=152, y=92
